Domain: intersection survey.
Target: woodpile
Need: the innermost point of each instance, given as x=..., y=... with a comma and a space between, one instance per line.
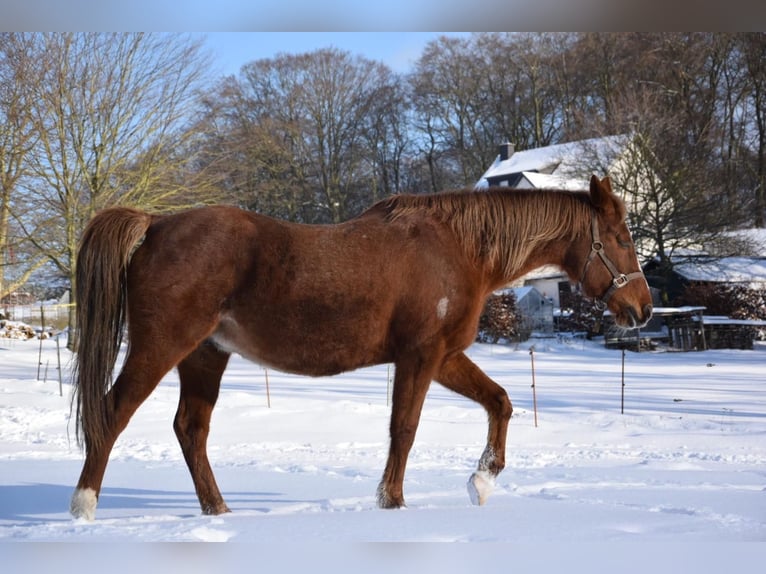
x=16, y=330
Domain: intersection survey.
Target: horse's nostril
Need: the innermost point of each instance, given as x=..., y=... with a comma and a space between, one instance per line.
x=647, y=312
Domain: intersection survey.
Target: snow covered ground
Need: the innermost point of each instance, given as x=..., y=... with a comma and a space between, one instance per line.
x=685, y=463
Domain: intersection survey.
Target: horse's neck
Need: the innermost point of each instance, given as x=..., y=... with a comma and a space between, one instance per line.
x=505, y=233
x=535, y=241
x=543, y=254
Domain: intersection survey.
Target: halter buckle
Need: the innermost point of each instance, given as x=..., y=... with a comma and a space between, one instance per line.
x=620, y=281
x=597, y=246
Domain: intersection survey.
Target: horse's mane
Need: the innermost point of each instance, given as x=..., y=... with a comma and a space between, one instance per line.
x=503, y=227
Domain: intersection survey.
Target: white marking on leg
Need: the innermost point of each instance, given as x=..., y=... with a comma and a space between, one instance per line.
x=83, y=504
x=487, y=458
x=482, y=482
x=382, y=496
x=480, y=486
x=441, y=307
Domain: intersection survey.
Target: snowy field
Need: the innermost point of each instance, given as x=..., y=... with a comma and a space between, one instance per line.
x=685, y=464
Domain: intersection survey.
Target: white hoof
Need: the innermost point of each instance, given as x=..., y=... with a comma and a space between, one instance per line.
x=480, y=486
x=83, y=504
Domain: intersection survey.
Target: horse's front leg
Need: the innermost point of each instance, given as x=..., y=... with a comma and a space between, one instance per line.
x=411, y=381
x=461, y=375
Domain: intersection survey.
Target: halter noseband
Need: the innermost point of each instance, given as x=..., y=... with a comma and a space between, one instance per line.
x=619, y=280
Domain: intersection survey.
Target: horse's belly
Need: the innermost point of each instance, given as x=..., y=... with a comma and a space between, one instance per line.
x=307, y=350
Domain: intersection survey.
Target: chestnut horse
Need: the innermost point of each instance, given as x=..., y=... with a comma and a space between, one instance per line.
x=403, y=283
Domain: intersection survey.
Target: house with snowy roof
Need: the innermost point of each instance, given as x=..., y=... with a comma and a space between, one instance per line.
x=698, y=267
x=561, y=166
x=747, y=271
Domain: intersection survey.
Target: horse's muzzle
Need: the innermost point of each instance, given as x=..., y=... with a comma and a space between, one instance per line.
x=639, y=319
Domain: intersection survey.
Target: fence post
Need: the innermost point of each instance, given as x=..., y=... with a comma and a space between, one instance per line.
x=58, y=357
x=534, y=391
x=42, y=332
x=622, y=394
x=268, y=392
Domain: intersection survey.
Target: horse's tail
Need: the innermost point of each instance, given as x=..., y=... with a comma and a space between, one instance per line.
x=101, y=288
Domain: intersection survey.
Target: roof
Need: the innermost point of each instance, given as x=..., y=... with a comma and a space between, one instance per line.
x=718, y=320
x=532, y=179
x=568, y=161
x=521, y=292
x=748, y=270
x=546, y=272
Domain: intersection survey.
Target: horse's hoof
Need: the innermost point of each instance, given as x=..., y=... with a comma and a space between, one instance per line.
x=83, y=504
x=480, y=486
x=215, y=509
x=388, y=505
x=388, y=502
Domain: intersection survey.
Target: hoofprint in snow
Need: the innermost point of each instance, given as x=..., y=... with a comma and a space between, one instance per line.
x=686, y=462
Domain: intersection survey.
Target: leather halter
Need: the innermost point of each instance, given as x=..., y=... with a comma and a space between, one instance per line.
x=619, y=280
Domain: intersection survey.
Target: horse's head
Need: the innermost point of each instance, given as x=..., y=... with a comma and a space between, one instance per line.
x=610, y=273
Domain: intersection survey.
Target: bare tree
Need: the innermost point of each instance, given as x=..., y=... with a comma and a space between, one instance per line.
x=111, y=114
x=752, y=48
x=17, y=136
x=387, y=136
x=447, y=97
x=310, y=137
x=470, y=94
x=537, y=57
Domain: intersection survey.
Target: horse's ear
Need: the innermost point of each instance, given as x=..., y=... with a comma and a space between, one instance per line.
x=602, y=196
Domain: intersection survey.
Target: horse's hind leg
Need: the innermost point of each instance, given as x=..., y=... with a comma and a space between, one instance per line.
x=463, y=376
x=140, y=375
x=200, y=375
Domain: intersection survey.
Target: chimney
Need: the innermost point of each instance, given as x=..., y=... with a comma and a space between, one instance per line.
x=505, y=150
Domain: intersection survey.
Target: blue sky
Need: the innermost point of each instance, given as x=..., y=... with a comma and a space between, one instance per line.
x=399, y=50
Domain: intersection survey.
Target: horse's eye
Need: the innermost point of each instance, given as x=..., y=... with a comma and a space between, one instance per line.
x=624, y=243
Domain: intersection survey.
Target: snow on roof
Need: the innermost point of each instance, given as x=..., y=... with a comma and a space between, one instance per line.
x=521, y=292
x=717, y=320
x=569, y=160
x=750, y=270
x=552, y=181
x=546, y=272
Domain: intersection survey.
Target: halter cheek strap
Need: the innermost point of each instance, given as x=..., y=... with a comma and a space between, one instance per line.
x=619, y=280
